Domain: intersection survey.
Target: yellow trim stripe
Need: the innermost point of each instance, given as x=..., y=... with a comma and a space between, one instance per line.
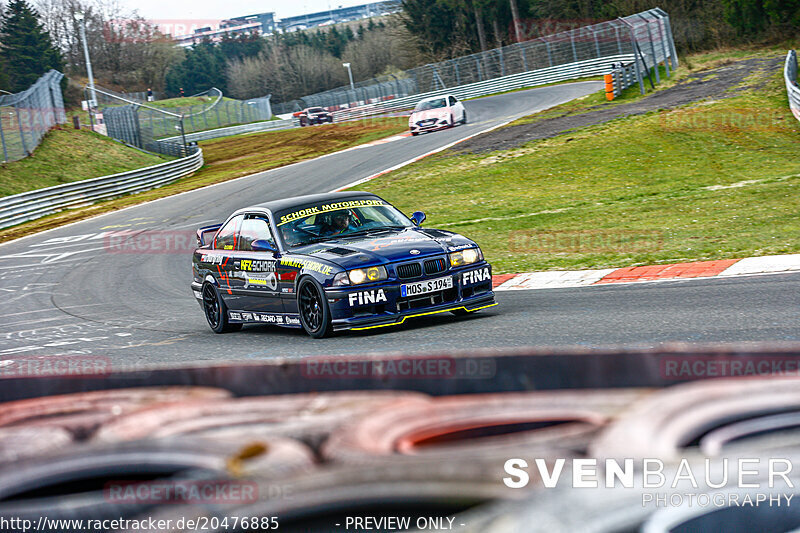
x=423, y=314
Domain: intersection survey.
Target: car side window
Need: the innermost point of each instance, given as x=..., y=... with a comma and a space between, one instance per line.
x=226, y=236
x=453, y=100
x=254, y=227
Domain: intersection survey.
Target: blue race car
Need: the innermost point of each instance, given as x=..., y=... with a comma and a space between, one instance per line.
x=332, y=262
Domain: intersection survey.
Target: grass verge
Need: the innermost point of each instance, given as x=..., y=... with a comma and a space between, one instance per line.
x=709, y=181
x=233, y=157
x=66, y=155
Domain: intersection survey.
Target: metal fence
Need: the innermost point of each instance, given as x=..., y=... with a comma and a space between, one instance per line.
x=25, y=117
x=646, y=35
x=30, y=205
x=254, y=127
x=570, y=71
x=166, y=129
x=790, y=75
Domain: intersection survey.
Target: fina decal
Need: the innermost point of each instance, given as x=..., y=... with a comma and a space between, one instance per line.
x=268, y=281
x=459, y=247
x=476, y=276
x=367, y=297
x=214, y=259
x=247, y=316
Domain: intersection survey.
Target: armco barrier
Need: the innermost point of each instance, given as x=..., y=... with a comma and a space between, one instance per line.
x=790, y=74
x=570, y=71
x=236, y=130
x=34, y=204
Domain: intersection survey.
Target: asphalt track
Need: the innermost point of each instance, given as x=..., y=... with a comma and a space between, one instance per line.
x=68, y=292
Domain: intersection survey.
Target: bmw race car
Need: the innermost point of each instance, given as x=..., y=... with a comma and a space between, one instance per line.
x=332, y=262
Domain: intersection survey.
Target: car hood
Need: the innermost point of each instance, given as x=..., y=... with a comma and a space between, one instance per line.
x=442, y=112
x=386, y=247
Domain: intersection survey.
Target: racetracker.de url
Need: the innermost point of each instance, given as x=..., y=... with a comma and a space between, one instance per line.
x=201, y=523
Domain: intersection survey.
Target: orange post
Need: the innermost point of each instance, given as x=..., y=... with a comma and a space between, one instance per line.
x=609, y=86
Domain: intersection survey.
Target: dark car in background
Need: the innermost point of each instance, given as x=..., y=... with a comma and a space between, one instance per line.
x=332, y=262
x=314, y=115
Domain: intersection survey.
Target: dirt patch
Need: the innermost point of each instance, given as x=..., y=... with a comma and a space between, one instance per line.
x=713, y=84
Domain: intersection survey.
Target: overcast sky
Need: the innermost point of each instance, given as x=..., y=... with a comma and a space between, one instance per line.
x=218, y=10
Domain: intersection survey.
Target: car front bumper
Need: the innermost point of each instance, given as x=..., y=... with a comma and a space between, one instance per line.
x=381, y=305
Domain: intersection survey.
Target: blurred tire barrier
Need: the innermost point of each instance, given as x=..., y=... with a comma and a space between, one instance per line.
x=509, y=370
x=317, y=501
x=75, y=484
x=706, y=414
x=80, y=414
x=307, y=417
x=19, y=208
x=18, y=443
x=498, y=425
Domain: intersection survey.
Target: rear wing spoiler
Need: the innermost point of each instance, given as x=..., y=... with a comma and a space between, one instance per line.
x=206, y=234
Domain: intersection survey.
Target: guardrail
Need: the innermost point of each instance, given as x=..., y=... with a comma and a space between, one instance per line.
x=621, y=77
x=790, y=75
x=30, y=205
x=235, y=130
x=543, y=76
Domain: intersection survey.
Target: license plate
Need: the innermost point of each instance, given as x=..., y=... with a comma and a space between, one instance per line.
x=424, y=287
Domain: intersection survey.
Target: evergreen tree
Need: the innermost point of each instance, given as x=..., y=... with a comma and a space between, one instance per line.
x=26, y=49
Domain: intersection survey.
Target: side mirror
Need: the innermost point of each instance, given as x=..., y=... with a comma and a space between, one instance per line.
x=418, y=217
x=263, y=245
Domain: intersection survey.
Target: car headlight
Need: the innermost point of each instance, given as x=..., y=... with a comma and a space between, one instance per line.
x=341, y=279
x=367, y=275
x=465, y=257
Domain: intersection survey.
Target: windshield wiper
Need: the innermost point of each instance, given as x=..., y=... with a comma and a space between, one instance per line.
x=372, y=230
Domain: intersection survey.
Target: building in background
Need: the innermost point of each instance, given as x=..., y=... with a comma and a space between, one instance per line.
x=262, y=23
x=338, y=15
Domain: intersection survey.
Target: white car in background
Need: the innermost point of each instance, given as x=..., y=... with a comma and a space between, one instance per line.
x=435, y=113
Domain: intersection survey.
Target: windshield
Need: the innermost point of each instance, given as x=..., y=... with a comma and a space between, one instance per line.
x=310, y=223
x=431, y=104
x=316, y=110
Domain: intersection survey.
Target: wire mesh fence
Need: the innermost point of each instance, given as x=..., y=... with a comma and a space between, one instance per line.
x=162, y=127
x=648, y=35
x=26, y=116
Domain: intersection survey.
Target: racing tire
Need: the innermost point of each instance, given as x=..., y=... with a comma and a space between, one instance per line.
x=315, y=314
x=464, y=118
x=216, y=311
x=414, y=133
x=81, y=414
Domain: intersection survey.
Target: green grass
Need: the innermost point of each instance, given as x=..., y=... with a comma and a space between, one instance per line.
x=66, y=155
x=232, y=157
x=697, y=183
